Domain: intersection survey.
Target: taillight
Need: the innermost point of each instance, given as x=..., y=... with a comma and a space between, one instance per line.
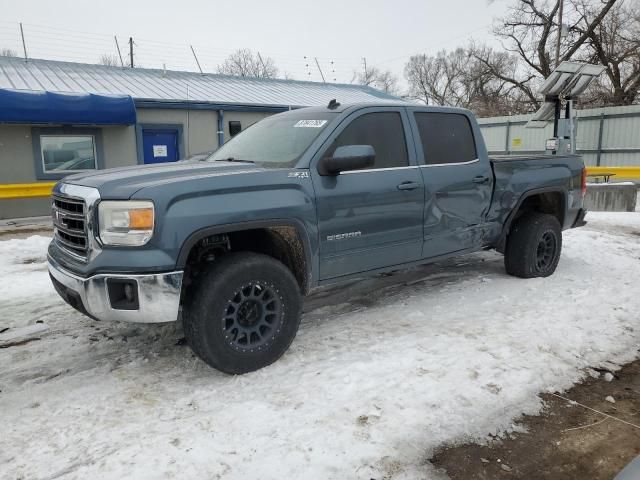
x=584, y=181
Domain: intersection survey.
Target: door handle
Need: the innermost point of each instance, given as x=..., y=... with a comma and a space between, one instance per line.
x=480, y=179
x=408, y=186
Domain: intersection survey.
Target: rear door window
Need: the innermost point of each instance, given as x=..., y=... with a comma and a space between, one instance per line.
x=383, y=131
x=446, y=138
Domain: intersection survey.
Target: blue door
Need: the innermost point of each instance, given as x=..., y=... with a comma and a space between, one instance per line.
x=160, y=146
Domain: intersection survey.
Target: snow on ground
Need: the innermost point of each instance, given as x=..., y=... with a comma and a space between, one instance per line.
x=382, y=371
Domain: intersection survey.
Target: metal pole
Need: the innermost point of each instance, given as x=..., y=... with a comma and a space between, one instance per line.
x=319, y=69
x=24, y=45
x=506, y=140
x=119, y=54
x=572, y=133
x=220, y=128
x=131, y=52
x=559, y=32
x=600, y=131
x=194, y=56
x=264, y=69
x=556, y=117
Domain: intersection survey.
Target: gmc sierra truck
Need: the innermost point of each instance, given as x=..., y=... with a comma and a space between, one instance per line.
x=230, y=244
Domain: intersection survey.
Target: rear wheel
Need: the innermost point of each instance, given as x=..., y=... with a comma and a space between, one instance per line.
x=244, y=312
x=533, y=246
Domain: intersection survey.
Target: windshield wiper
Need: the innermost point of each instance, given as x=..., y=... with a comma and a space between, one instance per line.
x=233, y=159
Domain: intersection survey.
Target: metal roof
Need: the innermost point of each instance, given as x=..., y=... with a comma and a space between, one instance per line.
x=151, y=85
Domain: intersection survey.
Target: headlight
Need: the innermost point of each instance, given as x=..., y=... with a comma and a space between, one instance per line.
x=125, y=222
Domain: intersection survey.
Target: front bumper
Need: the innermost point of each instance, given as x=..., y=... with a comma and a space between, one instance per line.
x=158, y=295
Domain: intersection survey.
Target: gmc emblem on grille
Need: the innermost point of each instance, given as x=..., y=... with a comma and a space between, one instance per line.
x=58, y=219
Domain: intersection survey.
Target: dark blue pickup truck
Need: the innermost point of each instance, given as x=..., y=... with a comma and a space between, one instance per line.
x=229, y=244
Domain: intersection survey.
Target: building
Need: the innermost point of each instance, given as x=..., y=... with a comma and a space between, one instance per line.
x=57, y=118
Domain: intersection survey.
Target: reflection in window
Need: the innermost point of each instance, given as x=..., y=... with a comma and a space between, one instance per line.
x=68, y=153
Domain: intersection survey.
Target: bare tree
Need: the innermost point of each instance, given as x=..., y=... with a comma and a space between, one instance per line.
x=8, y=52
x=530, y=32
x=246, y=63
x=614, y=43
x=374, y=77
x=109, y=60
x=438, y=80
x=458, y=78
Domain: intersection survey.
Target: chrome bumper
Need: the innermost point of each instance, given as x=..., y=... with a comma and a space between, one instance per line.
x=158, y=295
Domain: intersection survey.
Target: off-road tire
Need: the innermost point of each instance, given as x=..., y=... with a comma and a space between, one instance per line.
x=242, y=282
x=533, y=246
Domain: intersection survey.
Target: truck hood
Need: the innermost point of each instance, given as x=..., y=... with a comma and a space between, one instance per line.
x=121, y=183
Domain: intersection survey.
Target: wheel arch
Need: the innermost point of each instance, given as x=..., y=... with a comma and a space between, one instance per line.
x=284, y=239
x=551, y=200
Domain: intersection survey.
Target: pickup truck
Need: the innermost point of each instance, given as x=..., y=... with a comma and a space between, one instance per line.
x=230, y=244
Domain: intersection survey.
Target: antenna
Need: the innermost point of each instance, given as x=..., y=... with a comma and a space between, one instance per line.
x=333, y=104
x=118, y=48
x=24, y=45
x=320, y=70
x=194, y=56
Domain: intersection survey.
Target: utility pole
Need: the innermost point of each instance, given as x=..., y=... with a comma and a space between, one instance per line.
x=24, y=45
x=320, y=70
x=264, y=70
x=364, y=60
x=559, y=32
x=194, y=56
x=131, y=52
x=118, y=48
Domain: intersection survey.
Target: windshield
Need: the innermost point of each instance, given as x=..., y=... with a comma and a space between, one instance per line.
x=277, y=141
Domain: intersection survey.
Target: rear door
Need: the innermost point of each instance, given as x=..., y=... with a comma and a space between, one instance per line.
x=458, y=181
x=370, y=218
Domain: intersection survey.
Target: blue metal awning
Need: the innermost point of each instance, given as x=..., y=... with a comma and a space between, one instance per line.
x=35, y=107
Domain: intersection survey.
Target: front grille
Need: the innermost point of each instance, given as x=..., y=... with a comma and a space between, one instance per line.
x=70, y=225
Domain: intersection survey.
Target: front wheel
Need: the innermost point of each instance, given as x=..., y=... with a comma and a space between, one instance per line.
x=244, y=313
x=533, y=246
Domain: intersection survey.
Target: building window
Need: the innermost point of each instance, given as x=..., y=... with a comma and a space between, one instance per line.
x=62, y=151
x=235, y=127
x=67, y=153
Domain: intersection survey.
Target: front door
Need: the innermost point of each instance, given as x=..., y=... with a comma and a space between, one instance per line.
x=160, y=145
x=370, y=218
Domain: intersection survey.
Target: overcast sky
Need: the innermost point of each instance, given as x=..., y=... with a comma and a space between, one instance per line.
x=343, y=31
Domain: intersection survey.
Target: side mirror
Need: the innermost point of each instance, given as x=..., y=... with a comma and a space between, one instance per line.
x=348, y=157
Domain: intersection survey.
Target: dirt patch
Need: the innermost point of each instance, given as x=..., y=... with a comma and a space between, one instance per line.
x=24, y=232
x=567, y=441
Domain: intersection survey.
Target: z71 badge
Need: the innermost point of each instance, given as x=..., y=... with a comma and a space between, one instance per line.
x=298, y=175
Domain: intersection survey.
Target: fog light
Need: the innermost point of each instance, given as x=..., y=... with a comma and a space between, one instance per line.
x=123, y=294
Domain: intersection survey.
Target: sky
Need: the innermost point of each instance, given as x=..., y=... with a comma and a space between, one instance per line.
x=344, y=32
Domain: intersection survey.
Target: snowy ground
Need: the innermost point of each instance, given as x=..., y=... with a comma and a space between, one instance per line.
x=381, y=372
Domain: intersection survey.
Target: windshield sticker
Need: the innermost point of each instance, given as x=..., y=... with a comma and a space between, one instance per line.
x=309, y=123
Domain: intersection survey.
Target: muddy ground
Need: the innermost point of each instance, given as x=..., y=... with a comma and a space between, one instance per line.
x=567, y=441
